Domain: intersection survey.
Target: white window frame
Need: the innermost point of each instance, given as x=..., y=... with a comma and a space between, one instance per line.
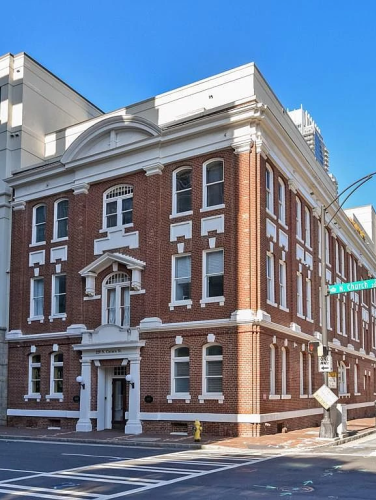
x=282, y=285
x=33, y=316
x=206, y=207
x=205, y=394
x=31, y=380
x=327, y=246
x=174, y=300
x=307, y=229
x=57, y=221
x=128, y=194
x=299, y=233
x=299, y=295
x=343, y=315
x=272, y=371
x=281, y=201
x=302, y=373
x=119, y=287
x=269, y=178
x=55, y=364
x=342, y=261
x=337, y=257
x=356, y=370
x=284, y=372
x=174, y=360
x=270, y=281
x=34, y=241
x=342, y=379
x=308, y=299
x=309, y=368
x=54, y=312
x=205, y=277
x=175, y=193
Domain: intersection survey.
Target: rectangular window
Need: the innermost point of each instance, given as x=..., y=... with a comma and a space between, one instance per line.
x=61, y=219
x=182, y=191
x=37, y=297
x=34, y=373
x=307, y=227
x=214, y=274
x=342, y=261
x=39, y=225
x=282, y=284
x=298, y=218
x=270, y=295
x=214, y=184
x=299, y=294
x=308, y=299
x=59, y=295
x=57, y=373
x=182, y=278
x=269, y=189
x=180, y=364
x=213, y=369
x=281, y=201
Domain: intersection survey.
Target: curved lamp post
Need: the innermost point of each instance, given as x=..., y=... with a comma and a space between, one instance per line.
x=327, y=428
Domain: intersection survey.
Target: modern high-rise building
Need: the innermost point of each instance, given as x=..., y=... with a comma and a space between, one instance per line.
x=312, y=134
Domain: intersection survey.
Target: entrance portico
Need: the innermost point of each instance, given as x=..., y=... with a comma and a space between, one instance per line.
x=109, y=349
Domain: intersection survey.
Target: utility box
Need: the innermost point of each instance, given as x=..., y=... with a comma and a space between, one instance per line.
x=338, y=415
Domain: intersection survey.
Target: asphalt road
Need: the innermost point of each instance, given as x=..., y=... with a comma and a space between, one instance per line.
x=57, y=471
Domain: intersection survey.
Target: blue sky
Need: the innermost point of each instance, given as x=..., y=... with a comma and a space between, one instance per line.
x=320, y=54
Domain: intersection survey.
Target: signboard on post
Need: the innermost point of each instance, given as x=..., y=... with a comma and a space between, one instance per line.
x=325, y=397
x=325, y=363
x=332, y=380
x=353, y=286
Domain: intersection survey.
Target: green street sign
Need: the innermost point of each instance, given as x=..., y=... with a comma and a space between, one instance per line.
x=353, y=286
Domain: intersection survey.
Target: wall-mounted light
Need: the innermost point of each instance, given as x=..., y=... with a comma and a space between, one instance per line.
x=80, y=380
x=130, y=380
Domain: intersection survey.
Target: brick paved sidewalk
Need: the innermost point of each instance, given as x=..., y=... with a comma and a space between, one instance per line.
x=299, y=440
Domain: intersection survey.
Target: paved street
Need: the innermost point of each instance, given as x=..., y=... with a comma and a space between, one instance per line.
x=30, y=469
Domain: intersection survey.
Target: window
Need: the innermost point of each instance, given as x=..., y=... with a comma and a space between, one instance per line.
x=269, y=189
x=118, y=207
x=342, y=261
x=37, y=298
x=116, y=300
x=303, y=373
x=180, y=370
x=307, y=220
x=182, y=191
x=272, y=370
x=59, y=288
x=298, y=218
x=308, y=299
x=34, y=374
x=309, y=371
x=284, y=370
x=355, y=378
x=299, y=294
x=327, y=242
x=213, y=184
x=213, y=369
x=270, y=278
x=56, y=373
x=337, y=257
x=281, y=201
x=282, y=284
x=342, y=379
x=39, y=224
x=214, y=273
x=61, y=220
x=344, y=315
x=181, y=278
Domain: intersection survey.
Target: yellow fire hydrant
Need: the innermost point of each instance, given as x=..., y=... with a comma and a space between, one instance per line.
x=197, y=428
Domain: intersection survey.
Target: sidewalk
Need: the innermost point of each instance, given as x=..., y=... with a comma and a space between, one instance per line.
x=299, y=440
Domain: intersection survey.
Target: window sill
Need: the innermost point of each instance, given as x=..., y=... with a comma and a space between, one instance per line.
x=93, y=297
x=303, y=396
x=59, y=240
x=32, y=396
x=36, y=318
x=286, y=396
x=310, y=320
x=115, y=228
x=63, y=317
x=39, y=244
x=212, y=300
x=357, y=393
x=283, y=308
x=214, y=207
x=299, y=315
x=182, y=214
x=344, y=395
x=271, y=214
x=180, y=397
x=274, y=396
x=274, y=304
x=283, y=225
x=187, y=303
x=219, y=397
x=60, y=397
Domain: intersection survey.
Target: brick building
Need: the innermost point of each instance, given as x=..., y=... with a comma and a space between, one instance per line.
x=165, y=267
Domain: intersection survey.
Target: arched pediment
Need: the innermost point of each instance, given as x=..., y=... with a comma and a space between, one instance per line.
x=110, y=133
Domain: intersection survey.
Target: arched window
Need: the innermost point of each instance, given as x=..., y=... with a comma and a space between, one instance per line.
x=118, y=207
x=39, y=224
x=342, y=378
x=212, y=369
x=56, y=381
x=34, y=373
x=116, y=300
x=213, y=184
x=182, y=191
x=180, y=371
x=61, y=219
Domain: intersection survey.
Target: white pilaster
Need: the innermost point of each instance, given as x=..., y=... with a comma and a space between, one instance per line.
x=133, y=425
x=84, y=422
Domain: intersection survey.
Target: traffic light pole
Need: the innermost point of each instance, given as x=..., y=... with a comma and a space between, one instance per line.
x=327, y=429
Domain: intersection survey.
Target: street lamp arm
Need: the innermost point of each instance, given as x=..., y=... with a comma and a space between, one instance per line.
x=364, y=180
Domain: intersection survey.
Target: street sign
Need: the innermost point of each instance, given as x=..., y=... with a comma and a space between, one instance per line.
x=353, y=286
x=332, y=380
x=325, y=364
x=325, y=397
